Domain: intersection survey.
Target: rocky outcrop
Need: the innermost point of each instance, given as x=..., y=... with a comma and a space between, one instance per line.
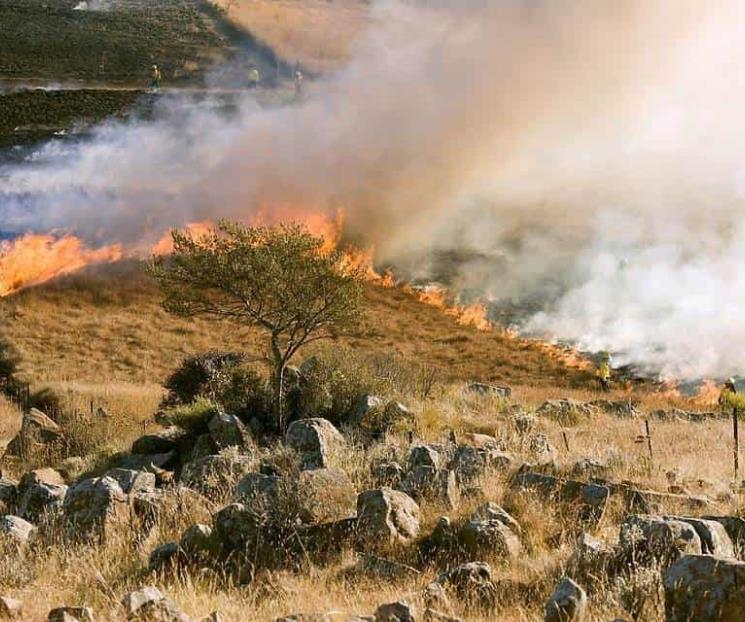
x=387, y=516
x=36, y=430
x=655, y=538
x=426, y=483
x=217, y=475
x=94, y=507
x=16, y=530
x=316, y=441
x=567, y=604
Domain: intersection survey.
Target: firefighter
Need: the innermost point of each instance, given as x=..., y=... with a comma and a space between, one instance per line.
x=253, y=77
x=604, y=371
x=156, y=75
x=298, y=78
x=728, y=393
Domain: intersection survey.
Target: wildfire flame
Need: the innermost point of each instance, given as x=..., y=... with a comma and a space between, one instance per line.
x=472, y=315
x=33, y=259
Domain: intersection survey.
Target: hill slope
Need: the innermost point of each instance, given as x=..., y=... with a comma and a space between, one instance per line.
x=106, y=325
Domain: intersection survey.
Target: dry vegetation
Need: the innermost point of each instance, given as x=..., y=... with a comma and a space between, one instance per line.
x=103, y=338
x=317, y=33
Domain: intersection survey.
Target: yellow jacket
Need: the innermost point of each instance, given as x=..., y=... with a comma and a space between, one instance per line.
x=604, y=370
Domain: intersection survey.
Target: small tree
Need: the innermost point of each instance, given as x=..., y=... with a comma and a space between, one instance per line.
x=281, y=279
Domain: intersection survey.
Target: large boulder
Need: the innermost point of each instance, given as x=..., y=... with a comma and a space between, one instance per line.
x=645, y=538
x=425, y=455
x=498, y=391
x=400, y=611
x=131, y=481
x=95, y=506
x=71, y=614
x=485, y=535
x=714, y=538
x=316, y=441
x=198, y=542
x=235, y=527
x=39, y=497
x=36, y=429
x=8, y=495
x=567, y=604
x=472, y=464
x=217, y=475
x=387, y=516
x=228, y=431
x=325, y=495
x=160, y=442
x=705, y=589
x=425, y=483
x=148, y=604
x=15, y=530
x=259, y=493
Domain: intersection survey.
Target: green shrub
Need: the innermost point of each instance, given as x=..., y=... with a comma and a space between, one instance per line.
x=206, y=374
x=193, y=417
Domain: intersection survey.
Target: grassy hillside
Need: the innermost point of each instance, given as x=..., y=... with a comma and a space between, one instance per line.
x=107, y=325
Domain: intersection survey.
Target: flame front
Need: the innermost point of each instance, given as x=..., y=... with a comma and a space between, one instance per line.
x=33, y=259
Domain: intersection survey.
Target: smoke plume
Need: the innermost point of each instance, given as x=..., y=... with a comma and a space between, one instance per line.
x=581, y=161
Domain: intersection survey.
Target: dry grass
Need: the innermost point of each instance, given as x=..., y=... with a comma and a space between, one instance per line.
x=317, y=33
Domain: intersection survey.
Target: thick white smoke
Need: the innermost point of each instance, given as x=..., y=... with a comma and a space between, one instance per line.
x=584, y=159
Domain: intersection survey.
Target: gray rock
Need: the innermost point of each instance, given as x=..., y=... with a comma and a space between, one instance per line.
x=656, y=538
x=589, y=553
x=235, y=527
x=258, y=492
x=228, y=431
x=216, y=475
x=714, y=538
x=705, y=589
x=491, y=511
x=324, y=496
x=36, y=429
x=165, y=556
x=567, y=604
x=387, y=516
x=388, y=473
x=470, y=583
x=93, y=507
x=71, y=614
x=425, y=483
x=8, y=496
x=363, y=408
x=160, y=442
x=501, y=392
x=197, y=542
x=130, y=480
x=10, y=608
x=39, y=499
x=149, y=604
x=472, y=464
x=424, y=455
x=378, y=567
x=735, y=528
x=16, y=530
x=400, y=611
x=316, y=441
x=482, y=538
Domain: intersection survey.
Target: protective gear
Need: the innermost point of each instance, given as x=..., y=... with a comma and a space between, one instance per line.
x=253, y=77
x=604, y=371
x=728, y=393
x=155, y=84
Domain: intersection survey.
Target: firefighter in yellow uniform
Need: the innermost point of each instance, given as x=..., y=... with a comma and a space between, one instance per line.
x=155, y=84
x=253, y=77
x=728, y=395
x=604, y=371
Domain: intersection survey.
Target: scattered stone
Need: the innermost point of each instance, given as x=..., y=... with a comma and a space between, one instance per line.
x=10, y=608
x=132, y=481
x=491, y=511
x=648, y=538
x=71, y=614
x=258, y=492
x=36, y=429
x=197, y=542
x=388, y=473
x=400, y=611
x=567, y=604
x=705, y=589
x=325, y=495
x=386, y=516
x=160, y=442
x=384, y=568
x=228, y=431
x=424, y=455
x=471, y=464
x=471, y=583
x=16, y=529
x=216, y=475
x=166, y=556
x=149, y=604
x=316, y=440
x=8, y=496
x=431, y=484
x=93, y=507
x=39, y=499
x=501, y=392
x=587, y=468
x=714, y=538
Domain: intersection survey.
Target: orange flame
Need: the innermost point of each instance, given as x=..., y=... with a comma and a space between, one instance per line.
x=472, y=315
x=33, y=259
x=164, y=246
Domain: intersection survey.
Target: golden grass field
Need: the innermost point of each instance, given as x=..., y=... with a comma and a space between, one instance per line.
x=101, y=336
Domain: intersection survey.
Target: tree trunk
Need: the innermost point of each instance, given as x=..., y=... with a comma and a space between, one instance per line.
x=278, y=382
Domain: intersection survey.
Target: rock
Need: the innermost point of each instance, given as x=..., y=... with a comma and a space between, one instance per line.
x=259, y=493
x=166, y=556
x=705, y=589
x=36, y=429
x=542, y=450
x=471, y=464
x=228, y=431
x=482, y=538
x=130, y=480
x=471, y=583
x=95, y=506
x=160, y=442
x=491, y=511
x=590, y=467
x=149, y=604
x=325, y=495
x=39, y=499
x=735, y=528
x=400, y=611
x=434, y=597
x=197, y=542
x=525, y=423
x=71, y=614
x=424, y=455
x=316, y=441
x=40, y=476
x=235, y=527
x=10, y=608
x=216, y=475
x=589, y=553
x=378, y=567
x=714, y=538
x=567, y=604
x=363, y=408
x=387, y=516
x=432, y=615
x=565, y=408
x=501, y=392
x=151, y=463
x=648, y=538
x=15, y=529
x=430, y=484
x=388, y=473
x=8, y=496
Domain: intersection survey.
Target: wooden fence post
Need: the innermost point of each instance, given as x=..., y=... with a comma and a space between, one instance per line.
x=736, y=436
x=649, y=440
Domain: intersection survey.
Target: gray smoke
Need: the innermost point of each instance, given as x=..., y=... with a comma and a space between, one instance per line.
x=578, y=159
